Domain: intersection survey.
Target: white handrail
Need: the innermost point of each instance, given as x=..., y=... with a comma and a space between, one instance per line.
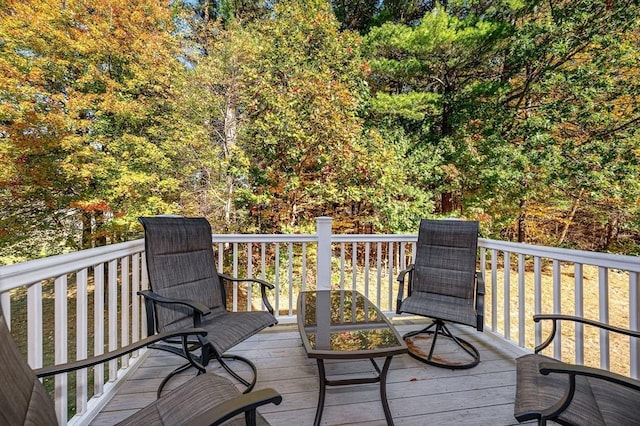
x=605, y=260
x=26, y=273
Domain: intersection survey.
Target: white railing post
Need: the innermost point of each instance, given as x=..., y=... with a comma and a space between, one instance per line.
x=506, y=298
x=557, y=307
x=579, y=311
x=82, y=334
x=603, y=288
x=537, y=301
x=60, y=347
x=634, y=323
x=323, y=230
x=34, y=325
x=5, y=304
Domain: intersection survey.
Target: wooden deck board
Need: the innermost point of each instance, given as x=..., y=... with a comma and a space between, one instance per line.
x=418, y=394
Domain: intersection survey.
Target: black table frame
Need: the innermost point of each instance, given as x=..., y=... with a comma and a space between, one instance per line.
x=381, y=378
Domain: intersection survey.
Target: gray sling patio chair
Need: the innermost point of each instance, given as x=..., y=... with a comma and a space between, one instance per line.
x=207, y=399
x=568, y=394
x=443, y=285
x=187, y=291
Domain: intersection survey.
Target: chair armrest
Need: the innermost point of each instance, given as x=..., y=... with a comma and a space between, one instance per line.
x=581, y=370
x=400, y=297
x=404, y=272
x=481, y=289
x=264, y=285
x=100, y=359
x=151, y=298
x=243, y=403
x=556, y=318
x=196, y=306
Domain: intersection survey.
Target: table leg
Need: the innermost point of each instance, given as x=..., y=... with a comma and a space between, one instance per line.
x=383, y=391
x=382, y=379
x=323, y=389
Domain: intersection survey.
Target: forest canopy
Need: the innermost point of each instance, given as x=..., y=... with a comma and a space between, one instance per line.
x=262, y=115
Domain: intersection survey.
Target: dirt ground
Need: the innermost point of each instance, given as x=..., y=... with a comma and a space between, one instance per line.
x=616, y=312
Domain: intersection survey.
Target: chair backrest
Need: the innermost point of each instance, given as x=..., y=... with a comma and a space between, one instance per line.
x=181, y=265
x=23, y=399
x=445, y=260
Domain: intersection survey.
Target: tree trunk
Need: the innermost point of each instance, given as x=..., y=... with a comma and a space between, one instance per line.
x=87, y=230
x=447, y=202
x=446, y=127
x=230, y=140
x=611, y=233
x=101, y=239
x=572, y=214
x=447, y=199
x=522, y=219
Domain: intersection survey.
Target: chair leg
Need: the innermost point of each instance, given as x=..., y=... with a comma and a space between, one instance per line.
x=466, y=346
x=250, y=417
x=193, y=362
x=178, y=370
x=249, y=384
x=440, y=331
x=207, y=354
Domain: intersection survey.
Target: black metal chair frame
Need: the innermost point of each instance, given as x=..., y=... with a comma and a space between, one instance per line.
x=207, y=352
x=438, y=328
x=199, y=312
x=441, y=328
x=573, y=371
x=214, y=412
x=246, y=403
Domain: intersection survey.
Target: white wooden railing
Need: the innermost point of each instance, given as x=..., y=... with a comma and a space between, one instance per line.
x=110, y=276
x=92, y=295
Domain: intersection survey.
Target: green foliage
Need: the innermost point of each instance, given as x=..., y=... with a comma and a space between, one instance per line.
x=356, y=15
x=570, y=90
x=438, y=78
x=79, y=117
x=522, y=103
x=263, y=115
x=303, y=135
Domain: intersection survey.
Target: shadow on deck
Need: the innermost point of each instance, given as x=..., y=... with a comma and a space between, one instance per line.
x=418, y=394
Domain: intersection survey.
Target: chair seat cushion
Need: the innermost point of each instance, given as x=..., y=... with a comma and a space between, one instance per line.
x=618, y=405
x=439, y=306
x=595, y=402
x=227, y=329
x=187, y=402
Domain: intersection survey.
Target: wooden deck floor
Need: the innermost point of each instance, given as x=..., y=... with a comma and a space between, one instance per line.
x=418, y=394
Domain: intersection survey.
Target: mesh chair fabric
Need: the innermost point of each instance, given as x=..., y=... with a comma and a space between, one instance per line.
x=181, y=265
x=446, y=258
x=443, y=281
x=23, y=399
x=595, y=402
x=187, y=402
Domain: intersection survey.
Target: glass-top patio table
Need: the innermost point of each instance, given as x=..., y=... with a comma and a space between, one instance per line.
x=338, y=324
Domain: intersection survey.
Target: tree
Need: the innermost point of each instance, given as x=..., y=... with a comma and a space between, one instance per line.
x=86, y=84
x=569, y=68
x=208, y=11
x=362, y=15
x=207, y=122
x=355, y=15
x=436, y=81
x=303, y=139
x=518, y=105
